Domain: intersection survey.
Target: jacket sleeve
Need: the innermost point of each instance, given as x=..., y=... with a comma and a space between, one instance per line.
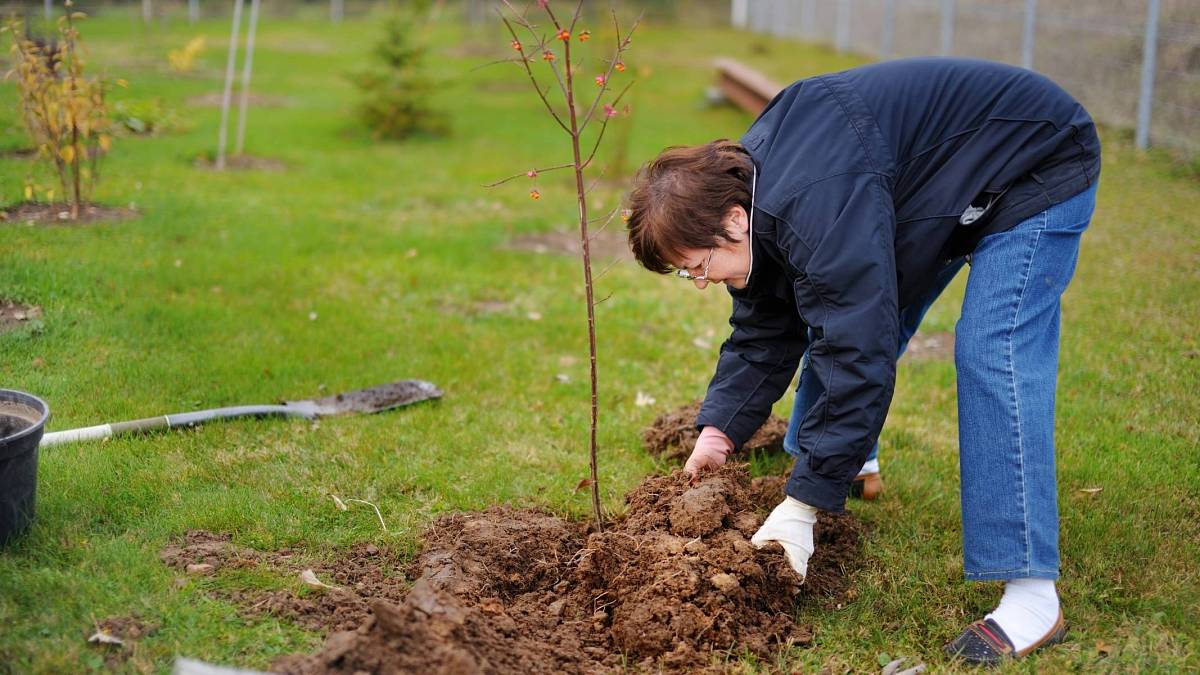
x=757, y=362
x=846, y=292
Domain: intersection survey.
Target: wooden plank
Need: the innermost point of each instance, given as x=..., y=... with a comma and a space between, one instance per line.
x=745, y=87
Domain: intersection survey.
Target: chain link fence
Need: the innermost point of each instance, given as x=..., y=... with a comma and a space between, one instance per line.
x=1134, y=64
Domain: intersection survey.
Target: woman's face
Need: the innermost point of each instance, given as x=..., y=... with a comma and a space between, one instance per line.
x=728, y=263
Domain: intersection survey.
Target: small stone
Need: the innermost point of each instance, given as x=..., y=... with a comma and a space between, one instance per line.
x=199, y=568
x=726, y=583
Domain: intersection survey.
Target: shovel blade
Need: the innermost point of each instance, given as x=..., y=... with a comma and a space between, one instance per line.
x=372, y=399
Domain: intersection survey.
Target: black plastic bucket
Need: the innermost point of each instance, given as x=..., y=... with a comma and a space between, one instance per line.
x=22, y=421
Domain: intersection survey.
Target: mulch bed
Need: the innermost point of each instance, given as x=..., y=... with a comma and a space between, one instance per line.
x=244, y=163
x=604, y=244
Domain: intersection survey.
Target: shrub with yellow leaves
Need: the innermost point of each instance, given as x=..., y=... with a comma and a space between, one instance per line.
x=184, y=59
x=63, y=109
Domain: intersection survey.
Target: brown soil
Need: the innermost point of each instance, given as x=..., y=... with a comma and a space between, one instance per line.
x=674, y=586
x=244, y=162
x=36, y=213
x=604, y=244
x=213, y=100
x=674, y=433
x=930, y=347
x=14, y=315
x=364, y=574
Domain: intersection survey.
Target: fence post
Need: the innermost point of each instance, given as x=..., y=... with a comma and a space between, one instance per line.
x=739, y=13
x=49, y=9
x=336, y=10
x=193, y=10
x=889, y=29
x=227, y=93
x=947, y=27
x=1149, y=55
x=247, y=69
x=1029, y=35
x=147, y=11
x=843, y=26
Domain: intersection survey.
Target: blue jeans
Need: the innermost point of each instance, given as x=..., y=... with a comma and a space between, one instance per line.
x=810, y=389
x=1006, y=355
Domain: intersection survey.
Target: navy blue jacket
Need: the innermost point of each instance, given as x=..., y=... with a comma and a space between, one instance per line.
x=869, y=181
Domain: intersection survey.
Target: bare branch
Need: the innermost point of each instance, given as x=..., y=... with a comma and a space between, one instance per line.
x=622, y=45
x=605, y=271
x=597, y=303
x=522, y=175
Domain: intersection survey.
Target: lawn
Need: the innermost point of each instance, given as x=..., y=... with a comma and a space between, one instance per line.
x=364, y=262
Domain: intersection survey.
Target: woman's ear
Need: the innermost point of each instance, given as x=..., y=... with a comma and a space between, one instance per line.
x=737, y=222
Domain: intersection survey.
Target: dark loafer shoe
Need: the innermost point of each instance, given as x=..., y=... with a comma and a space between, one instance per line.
x=985, y=643
x=867, y=486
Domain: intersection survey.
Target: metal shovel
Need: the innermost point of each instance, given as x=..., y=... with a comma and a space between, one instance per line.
x=370, y=400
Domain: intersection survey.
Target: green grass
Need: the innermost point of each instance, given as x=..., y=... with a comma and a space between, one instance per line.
x=205, y=301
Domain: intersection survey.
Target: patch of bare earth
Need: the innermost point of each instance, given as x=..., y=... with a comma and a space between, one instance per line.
x=213, y=100
x=672, y=586
x=937, y=346
x=244, y=163
x=603, y=244
x=36, y=213
x=14, y=315
x=673, y=434
x=362, y=575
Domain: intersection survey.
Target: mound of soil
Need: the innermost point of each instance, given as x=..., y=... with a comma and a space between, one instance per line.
x=37, y=213
x=673, y=434
x=667, y=587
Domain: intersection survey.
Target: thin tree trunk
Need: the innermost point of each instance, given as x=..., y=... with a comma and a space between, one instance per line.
x=585, y=242
x=247, y=69
x=227, y=95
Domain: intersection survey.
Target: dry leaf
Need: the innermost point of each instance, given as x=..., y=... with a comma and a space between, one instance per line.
x=340, y=504
x=199, y=568
x=310, y=577
x=702, y=343
x=534, y=316
x=643, y=400
x=563, y=377
x=586, y=482
x=1090, y=491
x=104, y=638
x=1103, y=648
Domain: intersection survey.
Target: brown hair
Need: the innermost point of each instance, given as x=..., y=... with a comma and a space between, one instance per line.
x=679, y=200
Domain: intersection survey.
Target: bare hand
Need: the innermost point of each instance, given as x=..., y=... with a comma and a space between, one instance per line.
x=711, y=451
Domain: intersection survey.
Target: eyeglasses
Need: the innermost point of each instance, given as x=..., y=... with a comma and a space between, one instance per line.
x=684, y=274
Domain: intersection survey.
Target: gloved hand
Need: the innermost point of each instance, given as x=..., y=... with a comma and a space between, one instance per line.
x=791, y=526
x=711, y=451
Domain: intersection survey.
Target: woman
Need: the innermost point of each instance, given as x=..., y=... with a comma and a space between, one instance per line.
x=834, y=223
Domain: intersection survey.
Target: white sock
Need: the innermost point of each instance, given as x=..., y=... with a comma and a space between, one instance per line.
x=1028, y=610
x=872, y=466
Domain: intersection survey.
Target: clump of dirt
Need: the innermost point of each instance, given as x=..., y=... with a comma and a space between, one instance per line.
x=666, y=587
x=126, y=628
x=673, y=434
x=603, y=244
x=37, y=213
x=937, y=346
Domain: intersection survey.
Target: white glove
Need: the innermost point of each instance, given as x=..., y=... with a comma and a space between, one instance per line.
x=791, y=526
